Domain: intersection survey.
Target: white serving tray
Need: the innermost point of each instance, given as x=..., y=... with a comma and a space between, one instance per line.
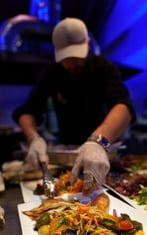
x=27, y=224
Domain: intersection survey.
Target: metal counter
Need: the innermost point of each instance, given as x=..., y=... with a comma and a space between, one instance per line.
x=9, y=199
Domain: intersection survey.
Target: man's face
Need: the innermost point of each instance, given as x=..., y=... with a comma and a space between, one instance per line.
x=73, y=65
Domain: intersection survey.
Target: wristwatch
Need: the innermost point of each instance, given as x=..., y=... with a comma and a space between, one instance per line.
x=100, y=140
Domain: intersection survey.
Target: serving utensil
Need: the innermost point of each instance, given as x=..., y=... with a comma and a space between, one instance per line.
x=48, y=180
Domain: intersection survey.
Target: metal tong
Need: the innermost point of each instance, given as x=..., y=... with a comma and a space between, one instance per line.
x=48, y=181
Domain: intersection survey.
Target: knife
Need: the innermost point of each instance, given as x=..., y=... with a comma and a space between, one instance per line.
x=48, y=181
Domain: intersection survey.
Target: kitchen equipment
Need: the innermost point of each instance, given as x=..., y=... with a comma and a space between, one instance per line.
x=48, y=181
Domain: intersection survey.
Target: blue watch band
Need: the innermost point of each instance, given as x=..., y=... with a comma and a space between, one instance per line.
x=100, y=140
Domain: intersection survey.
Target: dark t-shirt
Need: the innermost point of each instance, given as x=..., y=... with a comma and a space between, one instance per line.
x=80, y=102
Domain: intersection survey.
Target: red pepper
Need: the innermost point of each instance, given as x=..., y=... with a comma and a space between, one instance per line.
x=115, y=213
x=125, y=225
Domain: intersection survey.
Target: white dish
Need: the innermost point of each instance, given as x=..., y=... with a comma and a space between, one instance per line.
x=27, y=188
x=27, y=224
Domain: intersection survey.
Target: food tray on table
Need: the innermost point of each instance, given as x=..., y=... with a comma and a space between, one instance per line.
x=66, y=158
x=131, y=162
x=131, y=202
x=32, y=201
x=130, y=186
x=68, y=155
x=27, y=224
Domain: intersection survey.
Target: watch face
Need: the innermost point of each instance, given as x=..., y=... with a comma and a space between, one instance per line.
x=105, y=142
x=100, y=140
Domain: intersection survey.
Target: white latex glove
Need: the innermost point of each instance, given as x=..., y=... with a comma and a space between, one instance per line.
x=37, y=149
x=94, y=162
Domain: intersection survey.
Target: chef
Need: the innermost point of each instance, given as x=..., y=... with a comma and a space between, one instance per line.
x=92, y=104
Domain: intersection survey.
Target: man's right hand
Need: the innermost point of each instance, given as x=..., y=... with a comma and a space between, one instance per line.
x=93, y=161
x=37, y=152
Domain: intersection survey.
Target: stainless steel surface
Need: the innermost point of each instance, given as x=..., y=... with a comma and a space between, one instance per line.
x=48, y=181
x=68, y=158
x=62, y=158
x=9, y=199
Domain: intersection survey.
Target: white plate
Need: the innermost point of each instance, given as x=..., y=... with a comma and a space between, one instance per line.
x=28, y=187
x=132, y=202
x=27, y=224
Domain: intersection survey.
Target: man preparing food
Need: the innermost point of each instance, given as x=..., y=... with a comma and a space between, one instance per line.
x=92, y=104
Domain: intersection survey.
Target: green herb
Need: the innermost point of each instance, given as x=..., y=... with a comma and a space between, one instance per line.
x=60, y=222
x=108, y=221
x=63, y=188
x=137, y=165
x=141, y=198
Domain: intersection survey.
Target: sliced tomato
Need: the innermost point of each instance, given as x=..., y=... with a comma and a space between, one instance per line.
x=125, y=225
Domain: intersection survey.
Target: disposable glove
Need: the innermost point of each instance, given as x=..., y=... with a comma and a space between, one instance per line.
x=93, y=161
x=37, y=151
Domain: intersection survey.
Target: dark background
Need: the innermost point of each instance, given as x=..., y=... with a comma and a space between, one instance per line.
x=119, y=29
x=118, y=26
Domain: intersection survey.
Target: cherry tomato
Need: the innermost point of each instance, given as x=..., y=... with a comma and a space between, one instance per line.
x=125, y=225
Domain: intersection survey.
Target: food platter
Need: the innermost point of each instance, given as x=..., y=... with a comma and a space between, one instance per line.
x=131, y=187
x=131, y=162
x=32, y=201
x=114, y=204
x=131, y=202
x=121, y=207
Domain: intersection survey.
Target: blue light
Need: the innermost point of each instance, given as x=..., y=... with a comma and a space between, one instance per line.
x=47, y=10
x=124, y=40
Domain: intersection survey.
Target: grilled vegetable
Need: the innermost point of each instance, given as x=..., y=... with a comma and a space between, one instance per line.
x=43, y=220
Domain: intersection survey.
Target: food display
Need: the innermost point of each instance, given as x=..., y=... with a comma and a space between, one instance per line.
x=99, y=213
x=71, y=216
x=63, y=185
x=130, y=185
x=72, y=213
x=132, y=162
x=58, y=216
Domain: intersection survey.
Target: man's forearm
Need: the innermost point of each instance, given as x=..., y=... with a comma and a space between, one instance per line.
x=28, y=125
x=116, y=122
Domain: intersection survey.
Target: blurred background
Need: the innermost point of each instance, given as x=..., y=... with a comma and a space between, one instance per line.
x=117, y=29
x=118, y=26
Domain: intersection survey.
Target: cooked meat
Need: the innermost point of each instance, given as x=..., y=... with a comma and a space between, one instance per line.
x=102, y=202
x=48, y=205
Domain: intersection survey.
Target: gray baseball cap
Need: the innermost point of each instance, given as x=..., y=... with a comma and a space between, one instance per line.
x=70, y=39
